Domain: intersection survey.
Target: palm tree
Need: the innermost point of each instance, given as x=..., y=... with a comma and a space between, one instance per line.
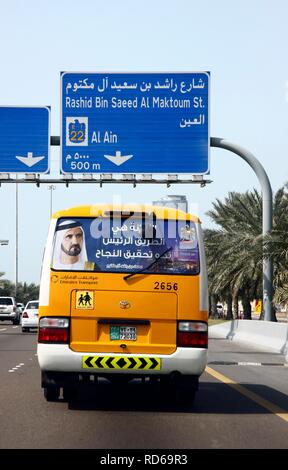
x=234, y=252
x=276, y=245
x=7, y=288
x=25, y=292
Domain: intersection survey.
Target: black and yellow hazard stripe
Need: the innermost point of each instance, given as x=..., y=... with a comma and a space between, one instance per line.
x=118, y=362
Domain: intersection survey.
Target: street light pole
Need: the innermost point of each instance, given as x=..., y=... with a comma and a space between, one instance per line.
x=2, y=243
x=51, y=187
x=16, y=242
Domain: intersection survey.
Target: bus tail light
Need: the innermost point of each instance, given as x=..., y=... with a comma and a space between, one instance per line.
x=192, y=334
x=53, y=330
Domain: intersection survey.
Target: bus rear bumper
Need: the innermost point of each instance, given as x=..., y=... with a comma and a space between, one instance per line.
x=60, y=358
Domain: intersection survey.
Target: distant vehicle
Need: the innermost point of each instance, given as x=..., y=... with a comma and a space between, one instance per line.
x=9, y=310
x=220, y=311
x=20, y=307
x=30, y=316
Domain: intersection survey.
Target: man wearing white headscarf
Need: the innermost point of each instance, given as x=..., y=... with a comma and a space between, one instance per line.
x=69, y=247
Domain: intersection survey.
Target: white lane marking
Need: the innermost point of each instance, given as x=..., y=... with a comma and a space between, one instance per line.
x=249, y=364
x=15, y=326
x=17, y=367
x=3, y=329
x=230, y=363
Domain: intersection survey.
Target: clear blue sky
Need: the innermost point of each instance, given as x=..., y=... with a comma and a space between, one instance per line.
x=244, y=45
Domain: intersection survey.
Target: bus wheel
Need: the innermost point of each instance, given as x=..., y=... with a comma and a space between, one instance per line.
x=69, y=393
x=185, y=395
x=51, y=393
x=186, y=388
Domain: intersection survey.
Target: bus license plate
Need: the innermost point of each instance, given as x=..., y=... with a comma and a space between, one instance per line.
x=125, y=333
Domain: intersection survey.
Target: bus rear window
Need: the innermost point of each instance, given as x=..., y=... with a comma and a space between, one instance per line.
x=126, y=245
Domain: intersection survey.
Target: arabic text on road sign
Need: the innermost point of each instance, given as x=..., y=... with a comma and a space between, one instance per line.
x=148, y=123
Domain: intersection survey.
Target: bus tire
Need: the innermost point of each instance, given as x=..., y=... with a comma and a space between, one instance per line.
x=185, y=396
x=69, y=393
x=52, y=393
x=186, y=389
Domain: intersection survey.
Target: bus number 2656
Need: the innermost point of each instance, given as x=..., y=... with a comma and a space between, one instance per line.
x=165, y=286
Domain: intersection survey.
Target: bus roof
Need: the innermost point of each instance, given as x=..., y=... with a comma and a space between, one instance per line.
x=105, y=210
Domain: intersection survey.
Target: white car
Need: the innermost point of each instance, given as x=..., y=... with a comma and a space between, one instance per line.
x=30, y=315
x=9, y=310
x=20, y=307
x=220, y=311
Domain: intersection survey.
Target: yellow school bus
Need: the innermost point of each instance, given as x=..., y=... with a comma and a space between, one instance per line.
x=123, y=295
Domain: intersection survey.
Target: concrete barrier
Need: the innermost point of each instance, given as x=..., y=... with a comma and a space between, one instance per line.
x=269, y=335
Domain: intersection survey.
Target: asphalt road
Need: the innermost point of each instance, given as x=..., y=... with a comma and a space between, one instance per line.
x=239, y=405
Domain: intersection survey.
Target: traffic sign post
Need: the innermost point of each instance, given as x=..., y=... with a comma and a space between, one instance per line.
x=24, y=139
x=135, y=123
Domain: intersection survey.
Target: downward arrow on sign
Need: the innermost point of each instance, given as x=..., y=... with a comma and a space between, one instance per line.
x=29, y=160
x=118, y=159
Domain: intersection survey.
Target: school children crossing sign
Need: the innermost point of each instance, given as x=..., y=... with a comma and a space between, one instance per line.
x=85, y=299
x=135, y=123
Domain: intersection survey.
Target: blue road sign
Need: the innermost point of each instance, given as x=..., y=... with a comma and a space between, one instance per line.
x=24, y=139
x=135, y=123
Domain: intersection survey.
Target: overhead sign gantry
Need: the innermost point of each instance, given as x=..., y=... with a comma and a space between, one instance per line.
x=138, y=123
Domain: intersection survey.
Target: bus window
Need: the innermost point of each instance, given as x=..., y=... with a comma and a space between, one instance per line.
x=117, y=245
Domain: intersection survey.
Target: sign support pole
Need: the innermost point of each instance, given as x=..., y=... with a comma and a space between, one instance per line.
x=267, y=216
